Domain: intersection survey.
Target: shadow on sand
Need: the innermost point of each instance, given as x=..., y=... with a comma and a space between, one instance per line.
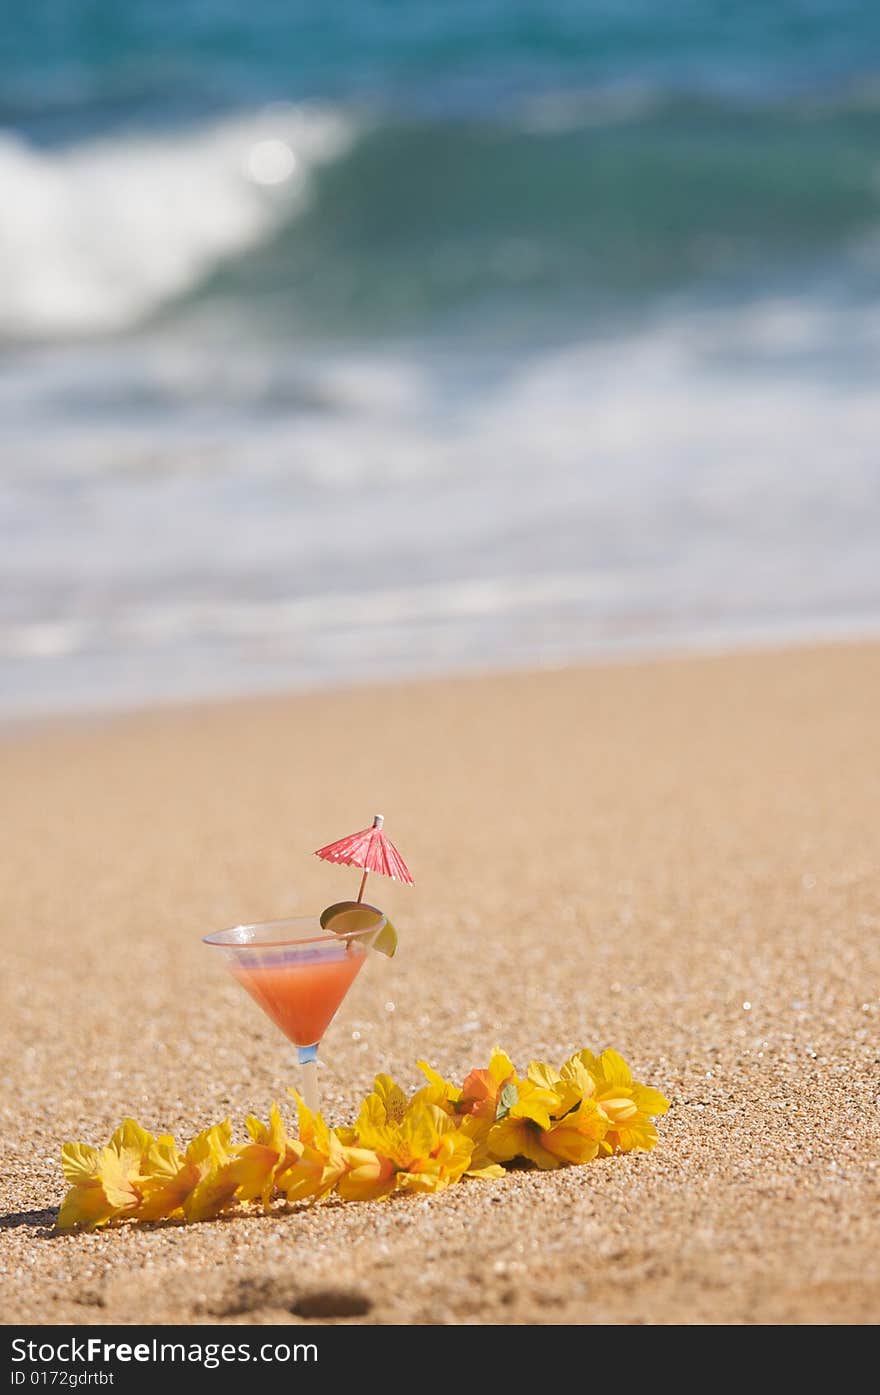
x=37, y=1220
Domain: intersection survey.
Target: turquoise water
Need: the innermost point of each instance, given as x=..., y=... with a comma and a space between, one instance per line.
x=340, y=340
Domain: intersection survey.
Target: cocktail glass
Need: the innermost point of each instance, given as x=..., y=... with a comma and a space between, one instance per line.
x=299, y=974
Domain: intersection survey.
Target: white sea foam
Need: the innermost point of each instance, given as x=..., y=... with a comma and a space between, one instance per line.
x=97, y=236
x=708, y=476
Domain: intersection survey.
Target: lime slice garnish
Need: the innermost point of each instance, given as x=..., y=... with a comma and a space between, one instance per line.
x=348, y=917
x=386, y=940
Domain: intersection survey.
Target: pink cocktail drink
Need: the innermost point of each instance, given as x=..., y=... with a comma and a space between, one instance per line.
x=302, y=996
x=299, y=972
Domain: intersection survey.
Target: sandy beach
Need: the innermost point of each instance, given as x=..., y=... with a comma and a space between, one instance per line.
x=675, y=858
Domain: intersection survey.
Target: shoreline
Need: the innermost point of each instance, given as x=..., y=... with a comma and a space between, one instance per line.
x=675, y=858
x=846, y=634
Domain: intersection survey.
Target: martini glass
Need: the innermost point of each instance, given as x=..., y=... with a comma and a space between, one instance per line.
x=299, y=974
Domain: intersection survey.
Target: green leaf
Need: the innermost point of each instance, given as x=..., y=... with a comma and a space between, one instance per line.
x=506, y=1100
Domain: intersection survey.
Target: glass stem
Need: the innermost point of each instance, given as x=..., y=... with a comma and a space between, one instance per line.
x=308, y=1060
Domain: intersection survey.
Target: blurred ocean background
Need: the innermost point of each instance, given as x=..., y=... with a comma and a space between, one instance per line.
x=346, y=340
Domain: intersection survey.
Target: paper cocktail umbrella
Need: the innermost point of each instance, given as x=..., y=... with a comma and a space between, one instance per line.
x=371, y=849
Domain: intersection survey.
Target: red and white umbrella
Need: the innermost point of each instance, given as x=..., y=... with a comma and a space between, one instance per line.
x=371, y=849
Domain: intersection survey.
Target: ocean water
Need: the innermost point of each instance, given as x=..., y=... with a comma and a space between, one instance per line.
x=339, y=341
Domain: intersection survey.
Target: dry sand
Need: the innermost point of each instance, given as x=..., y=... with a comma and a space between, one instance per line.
x=678, y=858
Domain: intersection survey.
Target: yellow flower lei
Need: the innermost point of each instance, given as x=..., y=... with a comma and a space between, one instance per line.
x=591, y=1107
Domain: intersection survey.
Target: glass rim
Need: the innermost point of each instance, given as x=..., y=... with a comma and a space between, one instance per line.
x=232, y=938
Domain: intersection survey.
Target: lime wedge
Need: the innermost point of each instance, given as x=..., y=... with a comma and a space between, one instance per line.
x=345, y=917
x=386, y=940
x=348, y=917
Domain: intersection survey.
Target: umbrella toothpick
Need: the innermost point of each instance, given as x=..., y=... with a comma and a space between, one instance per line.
x=370, y=849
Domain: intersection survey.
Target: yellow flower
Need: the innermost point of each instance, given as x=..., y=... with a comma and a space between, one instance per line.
x=168, y=1181
x=438, y=1091
x=519, y=1131
x=577, y=1137
x=555, y=1118
x=385, y=1104
x=481, y=1090
x=316, y=1159
x=258, y=1164
x=627, y=1105
x=368, y=1176
x=448, y=1097
x=85, y=1203
x=390, y=1097
x=209, y=1159
x=397, y=1145
x=571, y=1085
x=434, y=1152
x=106, y=1183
